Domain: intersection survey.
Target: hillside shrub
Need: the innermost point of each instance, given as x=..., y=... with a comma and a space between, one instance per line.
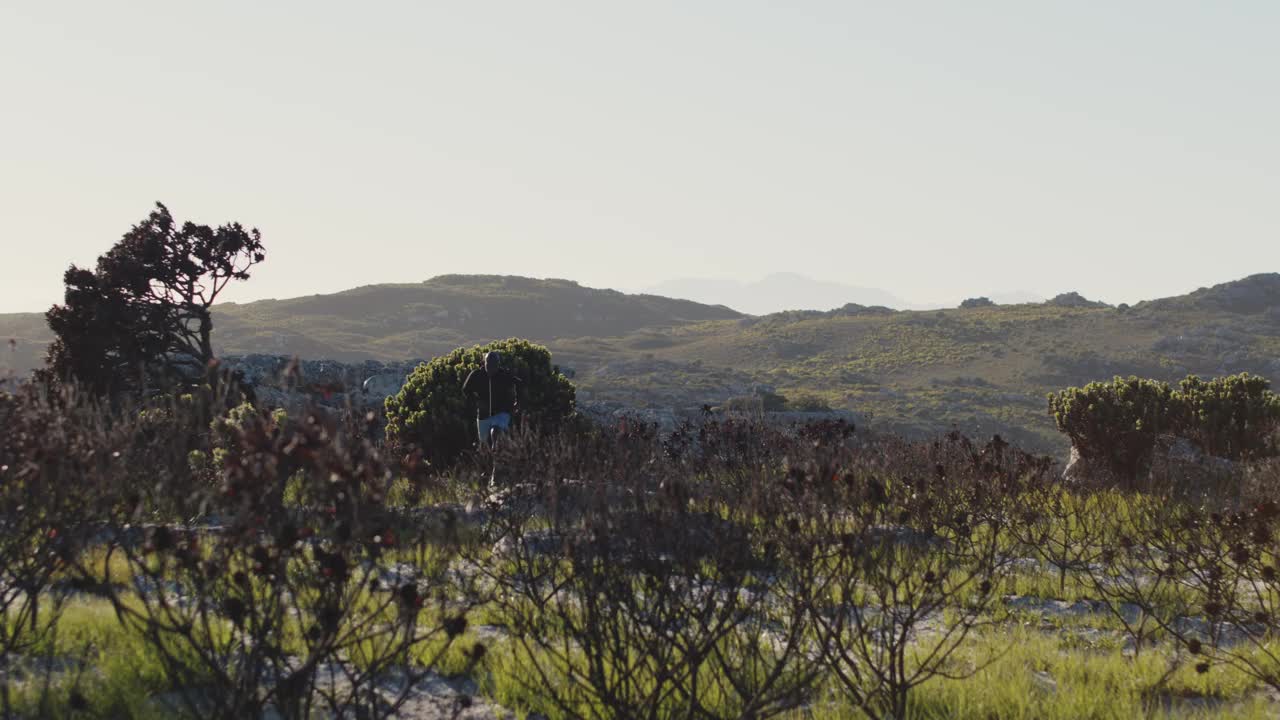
x=269, y=609
x=645, y=592
x=432, y=415
x=1116, y=423
x=808, y=402
x=41, y=440
x=70, y=465
x=750, y=404
x=1233, y=417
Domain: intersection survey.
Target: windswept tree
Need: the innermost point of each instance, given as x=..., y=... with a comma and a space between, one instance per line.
x=142, y=316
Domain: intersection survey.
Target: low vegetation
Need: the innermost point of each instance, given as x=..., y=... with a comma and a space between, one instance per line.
x=1117, y=424
x=266, y=565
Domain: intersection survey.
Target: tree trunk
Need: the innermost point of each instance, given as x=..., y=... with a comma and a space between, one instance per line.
x=206, y=332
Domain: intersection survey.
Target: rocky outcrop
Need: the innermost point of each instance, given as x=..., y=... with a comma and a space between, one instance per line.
x=1178, y=460
x=277, y=381
x=1075, y=300
x=1256, y=293
x=669, y=418
x=1079, y=470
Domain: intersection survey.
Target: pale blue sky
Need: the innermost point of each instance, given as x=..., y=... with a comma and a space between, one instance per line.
x=936, y=150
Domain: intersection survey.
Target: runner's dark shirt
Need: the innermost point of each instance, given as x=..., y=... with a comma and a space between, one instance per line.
x=477, y=384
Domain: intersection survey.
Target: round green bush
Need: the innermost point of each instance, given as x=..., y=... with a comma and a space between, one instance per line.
x=431, y=413
x=1234, y=417
x=1116, y=423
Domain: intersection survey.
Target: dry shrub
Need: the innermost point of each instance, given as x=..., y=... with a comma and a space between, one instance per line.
x=252, y=605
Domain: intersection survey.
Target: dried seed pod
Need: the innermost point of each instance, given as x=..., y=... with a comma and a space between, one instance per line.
x=455, y=626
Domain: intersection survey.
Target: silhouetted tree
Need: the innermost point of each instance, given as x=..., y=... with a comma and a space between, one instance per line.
x=142, y=316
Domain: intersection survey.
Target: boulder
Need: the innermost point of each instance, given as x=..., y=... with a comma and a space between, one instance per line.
x=1078, y=470
x=1178, y=460
x=383, y=385
x=1081, y=470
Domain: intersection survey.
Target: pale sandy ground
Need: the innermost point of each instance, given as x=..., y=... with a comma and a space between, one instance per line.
x=439, y=699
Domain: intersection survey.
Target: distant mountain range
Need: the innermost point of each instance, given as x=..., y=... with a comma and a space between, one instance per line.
x=783, y=291
x=981, y=369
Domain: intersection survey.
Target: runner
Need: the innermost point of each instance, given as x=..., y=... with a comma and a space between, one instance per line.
x=493, y=391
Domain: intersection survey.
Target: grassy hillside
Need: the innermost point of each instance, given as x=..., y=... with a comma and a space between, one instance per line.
x=988, y=369
x=402, y=321
x=981, y=369
x=23, y=337
x=421, y=320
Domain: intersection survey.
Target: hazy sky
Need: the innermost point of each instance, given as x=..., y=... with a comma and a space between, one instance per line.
x=937, y=150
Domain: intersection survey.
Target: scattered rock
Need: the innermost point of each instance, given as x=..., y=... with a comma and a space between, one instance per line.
x=440, y=698
x=1053, y=608
x=433, y=697
x=1075, y=300
x=279, y=381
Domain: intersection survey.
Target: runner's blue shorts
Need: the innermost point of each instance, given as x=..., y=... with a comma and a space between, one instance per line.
x=502, y=421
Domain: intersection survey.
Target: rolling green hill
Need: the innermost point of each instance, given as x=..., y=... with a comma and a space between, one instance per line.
x=425, y=319
x=982, y=369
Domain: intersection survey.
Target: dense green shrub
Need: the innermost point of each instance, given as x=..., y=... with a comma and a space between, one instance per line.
x=431, y=414
x=1234, y=417
x=1116, y=423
